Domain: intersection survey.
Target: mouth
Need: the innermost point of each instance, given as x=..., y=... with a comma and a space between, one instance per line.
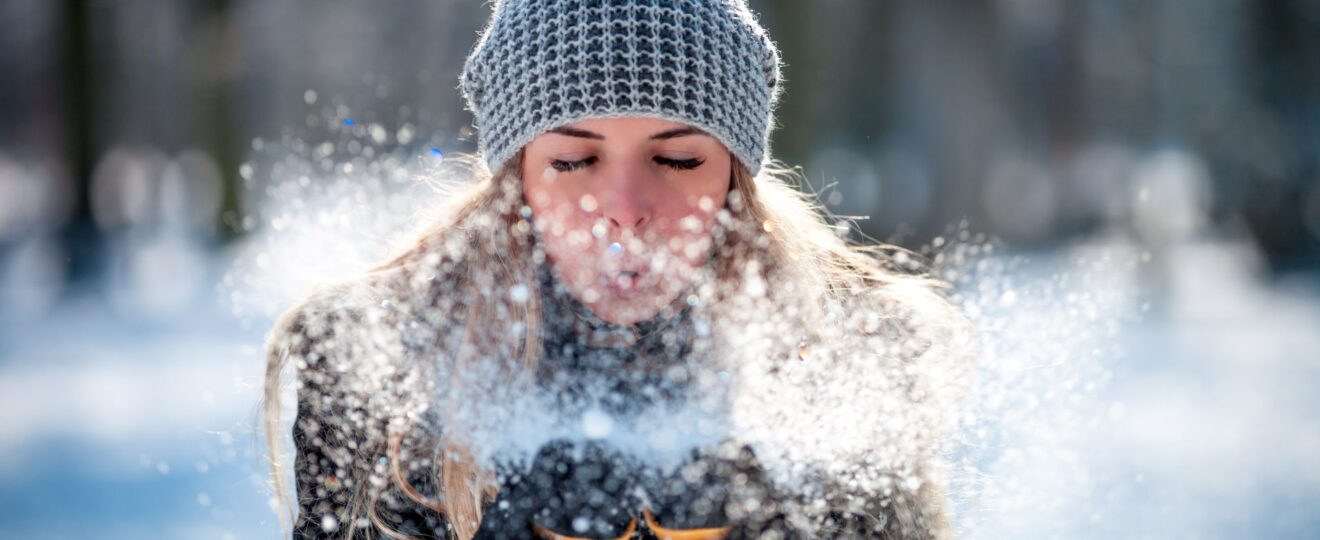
x=628, y=283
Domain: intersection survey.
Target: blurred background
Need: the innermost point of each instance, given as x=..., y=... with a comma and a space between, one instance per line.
x=1151, y=167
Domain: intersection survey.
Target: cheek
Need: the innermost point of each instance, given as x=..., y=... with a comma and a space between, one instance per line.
x=708, y=196
x=557, y=221
x=563, y=244
x=548, y=196
x=692, y=194
x=542, y=189
x=688, y=224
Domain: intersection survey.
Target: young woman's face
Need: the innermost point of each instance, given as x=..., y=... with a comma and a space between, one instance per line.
x=624, y=207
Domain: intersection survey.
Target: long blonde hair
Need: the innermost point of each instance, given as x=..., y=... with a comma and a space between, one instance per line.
x=462, y=263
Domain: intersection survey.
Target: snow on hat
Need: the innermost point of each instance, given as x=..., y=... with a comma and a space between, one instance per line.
x=540, y=64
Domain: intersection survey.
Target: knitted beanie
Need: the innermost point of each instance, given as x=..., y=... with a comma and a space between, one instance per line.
x=540, y=64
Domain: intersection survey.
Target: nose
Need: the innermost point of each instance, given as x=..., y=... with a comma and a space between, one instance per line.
x=625, y=197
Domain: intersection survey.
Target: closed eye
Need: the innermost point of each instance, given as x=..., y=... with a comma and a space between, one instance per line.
x=565, y=166
x=677, y=164
x=680, y=164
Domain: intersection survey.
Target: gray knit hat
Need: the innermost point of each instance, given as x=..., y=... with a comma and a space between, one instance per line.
x=541, y=64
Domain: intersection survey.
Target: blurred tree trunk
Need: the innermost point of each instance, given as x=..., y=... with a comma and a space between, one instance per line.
x=1285, y=81
x=836, y=72
x=787, y=21
x=213, y=73
x=81, y=236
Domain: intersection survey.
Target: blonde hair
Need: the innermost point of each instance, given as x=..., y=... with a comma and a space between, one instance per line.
x=481, y=247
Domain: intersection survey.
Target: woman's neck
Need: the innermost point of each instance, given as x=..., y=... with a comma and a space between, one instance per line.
x=565, y=312
x=621, y=368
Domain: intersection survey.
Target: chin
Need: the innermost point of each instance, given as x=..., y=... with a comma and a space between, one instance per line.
x=624, y=314
x=626, y=311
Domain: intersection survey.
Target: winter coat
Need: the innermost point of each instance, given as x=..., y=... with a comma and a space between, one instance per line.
x=572, y=489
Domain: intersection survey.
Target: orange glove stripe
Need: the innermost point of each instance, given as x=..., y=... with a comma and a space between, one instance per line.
x=713, y=533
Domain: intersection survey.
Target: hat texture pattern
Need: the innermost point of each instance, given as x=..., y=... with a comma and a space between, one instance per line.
x=540, y=64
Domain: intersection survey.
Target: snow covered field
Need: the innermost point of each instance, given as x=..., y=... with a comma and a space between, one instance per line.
x=1207, y=427
x=121, y=428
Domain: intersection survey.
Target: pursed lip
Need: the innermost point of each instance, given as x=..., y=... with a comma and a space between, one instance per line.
x=629, y=282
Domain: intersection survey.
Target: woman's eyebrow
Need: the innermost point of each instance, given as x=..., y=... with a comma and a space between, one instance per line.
x=575, y=132
x=677, y=132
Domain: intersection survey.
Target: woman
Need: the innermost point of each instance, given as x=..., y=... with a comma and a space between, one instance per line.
x=623, y=326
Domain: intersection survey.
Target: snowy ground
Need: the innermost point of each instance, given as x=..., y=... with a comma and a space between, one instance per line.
x=1209, y=427
x=121, y=428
